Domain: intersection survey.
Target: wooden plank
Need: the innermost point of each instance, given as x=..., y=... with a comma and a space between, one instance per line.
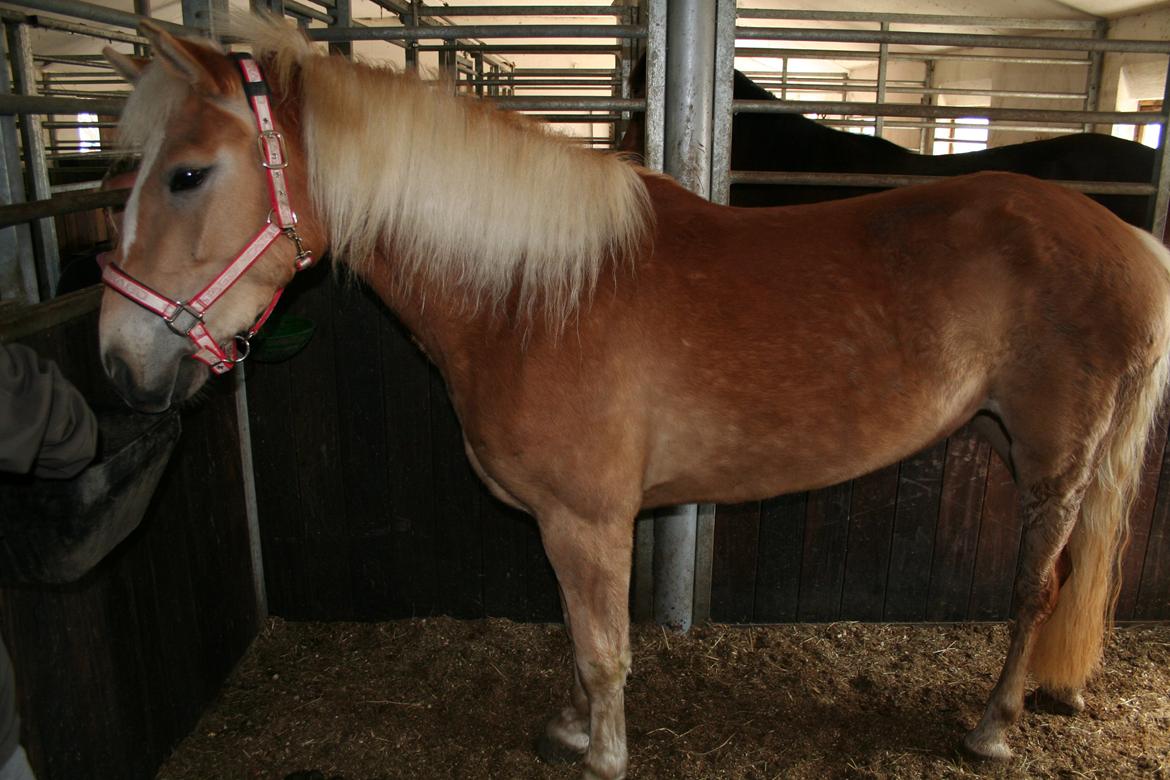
x=912, y=545
x=778, y=568
x=957, y=536
x=409, y=472
x=733, y=562
x=316, y=442
x=871, y=525
x=822, y=563
x=1153, y=597
x=458, y=493
x=998, y=547
x=506, y=534
x=361, y=425
x=1155, y=480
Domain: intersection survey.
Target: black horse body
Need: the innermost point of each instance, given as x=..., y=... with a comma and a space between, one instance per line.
x=793, y=142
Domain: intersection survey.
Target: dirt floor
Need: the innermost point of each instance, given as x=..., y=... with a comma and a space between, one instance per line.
x=442, y=698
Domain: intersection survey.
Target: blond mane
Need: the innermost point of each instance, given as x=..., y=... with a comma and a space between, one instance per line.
x=459, y=191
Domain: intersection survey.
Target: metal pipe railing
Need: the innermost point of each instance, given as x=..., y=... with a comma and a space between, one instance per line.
x=95, y=13
x=877, y=180
x=932, y=20
x=966, y=40
x=31, y=105
x=333, y=34
x=62, y=203
x=945, y=112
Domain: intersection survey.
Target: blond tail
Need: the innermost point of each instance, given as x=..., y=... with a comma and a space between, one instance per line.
x=1069, y=644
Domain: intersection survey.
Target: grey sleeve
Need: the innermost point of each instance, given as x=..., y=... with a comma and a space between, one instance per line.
x=45, y=424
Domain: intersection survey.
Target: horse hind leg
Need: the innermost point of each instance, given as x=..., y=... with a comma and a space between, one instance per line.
x=1050, y=509
x=1077, y=451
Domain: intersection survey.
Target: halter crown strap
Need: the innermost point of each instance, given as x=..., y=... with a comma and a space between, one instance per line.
x=185, y=318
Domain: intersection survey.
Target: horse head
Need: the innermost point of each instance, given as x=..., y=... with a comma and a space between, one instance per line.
x=201, y=255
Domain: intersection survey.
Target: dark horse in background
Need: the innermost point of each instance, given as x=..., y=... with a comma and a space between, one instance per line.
x=793, y=142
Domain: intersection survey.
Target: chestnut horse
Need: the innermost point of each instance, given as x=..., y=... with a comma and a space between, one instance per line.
x=612, y=342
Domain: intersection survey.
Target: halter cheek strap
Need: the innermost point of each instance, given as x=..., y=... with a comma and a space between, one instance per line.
x=185, y=318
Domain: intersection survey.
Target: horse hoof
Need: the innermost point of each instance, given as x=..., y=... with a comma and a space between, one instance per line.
x=1066, y=703
x=983, y=749
x=553, y=751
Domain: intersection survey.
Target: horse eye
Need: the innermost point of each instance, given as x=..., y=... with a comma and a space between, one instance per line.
x=187, y=178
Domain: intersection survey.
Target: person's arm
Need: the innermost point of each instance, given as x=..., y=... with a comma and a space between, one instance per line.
x=45, y=424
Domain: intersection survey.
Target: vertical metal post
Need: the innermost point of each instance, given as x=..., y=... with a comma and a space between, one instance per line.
x=32, y=139
x=210, y=15
x=723, y=96
x=251, y=506
x=1161, y=199
x=18, y=268
x=342, y=17
x=926, y=134
x=1093, y=76
x=883, y=66
x=655, y=83
x=691, y=29
x=690, y=93
x=142, y=8
x=411, y=20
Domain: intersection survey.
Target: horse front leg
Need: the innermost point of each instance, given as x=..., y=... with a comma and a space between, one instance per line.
x=592, y=560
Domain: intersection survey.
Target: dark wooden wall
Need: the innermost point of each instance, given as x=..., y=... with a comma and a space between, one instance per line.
x=114, y=670
x=368, y=507
x=369, y=510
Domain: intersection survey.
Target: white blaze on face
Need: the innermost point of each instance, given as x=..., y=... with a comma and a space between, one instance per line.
x=130, y=217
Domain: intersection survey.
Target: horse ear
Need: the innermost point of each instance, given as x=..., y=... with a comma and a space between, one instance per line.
x=187, y=60
x=129, y=67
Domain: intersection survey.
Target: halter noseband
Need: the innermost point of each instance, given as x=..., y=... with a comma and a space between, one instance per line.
x=185, y=318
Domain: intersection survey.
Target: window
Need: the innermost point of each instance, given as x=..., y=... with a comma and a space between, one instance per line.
x=90, y=138
x=966, y=134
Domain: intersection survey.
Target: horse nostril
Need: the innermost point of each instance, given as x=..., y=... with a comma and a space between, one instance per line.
x=117, y=370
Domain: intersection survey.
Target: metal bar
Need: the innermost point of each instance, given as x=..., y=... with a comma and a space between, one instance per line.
x=924, y=19
x=897, y=180
x=883, y=67
x=841, y=54
x=532, y=48
x=691, y=29
x=251, y=505
x=342, y=17
x=722, y=100
x=801, y=85
x=1161, y=175
x=32, y=142
x=18, y=269
x=560, y=83
x=431, y=12
x=654, y=105
x=566, y=104
x=952, y=39
x=203, y=16
x=49, y=23
x=86, y=63
x=94, y=13
x=294, y=8
x=30, y=105
x=1093, y=76
x=65, y=203
x=476, y=31
x=950, y=112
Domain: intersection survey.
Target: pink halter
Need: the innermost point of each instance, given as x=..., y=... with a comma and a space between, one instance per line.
x=185, y=318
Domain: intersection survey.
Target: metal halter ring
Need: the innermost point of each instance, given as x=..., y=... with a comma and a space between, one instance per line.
x=243, y=348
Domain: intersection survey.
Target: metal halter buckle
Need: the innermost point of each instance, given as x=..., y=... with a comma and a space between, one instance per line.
x=264, y=144
x=183, y=309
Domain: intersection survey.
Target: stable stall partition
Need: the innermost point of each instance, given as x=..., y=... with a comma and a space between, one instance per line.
x=330, y=482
